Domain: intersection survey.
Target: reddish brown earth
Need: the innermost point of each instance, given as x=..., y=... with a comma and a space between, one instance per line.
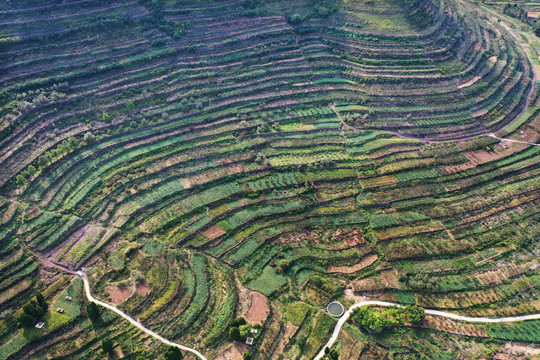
x=234, y=351
x=118, y=294
x=143, y=288
x=258, y=310
x=213, y=232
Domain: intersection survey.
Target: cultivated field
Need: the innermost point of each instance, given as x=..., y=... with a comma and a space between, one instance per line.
x=209, y=160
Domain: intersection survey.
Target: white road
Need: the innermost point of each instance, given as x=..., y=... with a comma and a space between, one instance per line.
x=512, y=140
x=135, y=323
x=337, y=329
x=445, y=314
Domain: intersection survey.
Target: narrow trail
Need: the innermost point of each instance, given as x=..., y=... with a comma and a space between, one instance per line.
x=424, y=140
x=516, y=141
x=444, y=314
x=135, y=323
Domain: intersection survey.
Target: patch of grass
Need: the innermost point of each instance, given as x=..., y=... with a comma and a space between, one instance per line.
x=268, y=282
x=322, y=325
x=296, y=312
x=72, y=308
x=12, y=346
x=405, y=297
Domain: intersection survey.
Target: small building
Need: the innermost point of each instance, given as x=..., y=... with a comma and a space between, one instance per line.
x=40, y=325
x=249, y=341
x=254, y=331
x=69, y=298
x=60, y=310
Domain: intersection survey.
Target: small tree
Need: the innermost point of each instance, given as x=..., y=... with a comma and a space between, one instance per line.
x=92, y=311
x=20, y=180
x=414, y=313
x=32, y=170
x=284, y=264
x=33, y=309
x=107, y=345
x=25, y=320
x=234, y=333
x=241, y=321
x=42, y=302
x=173, y=353
x=295, y=19
x=247, y=356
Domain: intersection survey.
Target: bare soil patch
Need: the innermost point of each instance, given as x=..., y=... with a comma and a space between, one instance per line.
x=244, y=298
x=234, y=351
x=258, y=310
x=523, y=349
x=470, y=82
x=143, y=288
x=481, y=156
x=452, y=169
x=213, y=232
x=389, y=278
x=118, y=294
x=292, y=238
x=530, y=135
x=364, y=263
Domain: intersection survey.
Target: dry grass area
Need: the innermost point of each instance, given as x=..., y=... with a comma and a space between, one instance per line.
x=454, y=327
x=364, y=263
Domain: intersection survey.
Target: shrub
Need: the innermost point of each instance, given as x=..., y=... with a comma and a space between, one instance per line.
x=107, y=345
x=25, y=320
x=173, y=353
x=296, y=19
x=92, y=311
x=238, y=322
x=414, y=313
x=284, y=264
x=234, y=333
x=42, y=302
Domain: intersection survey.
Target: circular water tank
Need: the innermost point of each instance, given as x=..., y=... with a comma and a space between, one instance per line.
x=335, y=309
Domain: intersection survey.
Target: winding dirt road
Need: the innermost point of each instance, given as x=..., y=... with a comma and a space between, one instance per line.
x=135, y=323
x=445, y=314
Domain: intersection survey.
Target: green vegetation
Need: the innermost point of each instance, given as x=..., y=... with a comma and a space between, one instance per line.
x=206, y=160
x=173, y=353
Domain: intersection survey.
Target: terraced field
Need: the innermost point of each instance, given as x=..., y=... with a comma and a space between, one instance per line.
x=193, y=155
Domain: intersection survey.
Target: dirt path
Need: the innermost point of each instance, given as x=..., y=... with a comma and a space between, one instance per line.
x=133, y=322
x=516, y=141
x=444, y=314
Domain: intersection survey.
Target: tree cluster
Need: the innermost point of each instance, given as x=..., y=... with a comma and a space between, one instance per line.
x=234, y=328
x=377, y=321
x=173, y=353
x=331, y=354
x=33, y=311
x=107, y=345
x=92, y=311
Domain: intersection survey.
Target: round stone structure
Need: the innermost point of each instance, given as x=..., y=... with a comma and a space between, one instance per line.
x=335, y=309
